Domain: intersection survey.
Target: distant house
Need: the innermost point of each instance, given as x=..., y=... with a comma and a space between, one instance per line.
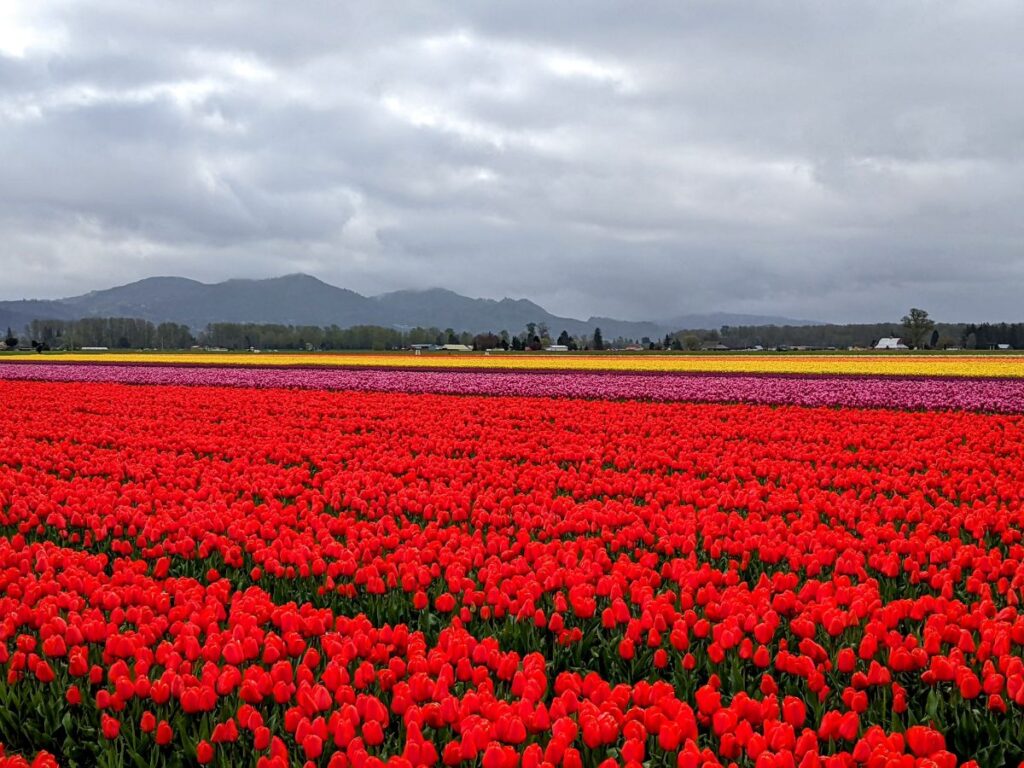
x=421, y=347
x=716, y=346
x=556, y=348
x=1003, y=346
x=456, y=348
x=891, y=342
x=94, y=349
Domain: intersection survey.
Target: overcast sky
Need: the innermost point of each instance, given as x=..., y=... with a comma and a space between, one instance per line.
x=833, y=161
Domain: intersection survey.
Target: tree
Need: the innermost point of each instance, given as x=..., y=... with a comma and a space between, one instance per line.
x=563, y=339
x=10, y=340
x=486, y=341
x=598, y=339
x=917, y=326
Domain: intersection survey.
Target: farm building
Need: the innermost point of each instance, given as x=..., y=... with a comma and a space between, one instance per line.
x=891, y=342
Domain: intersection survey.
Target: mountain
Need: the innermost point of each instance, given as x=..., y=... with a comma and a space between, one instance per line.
x=289, y=300
x=442, y=308
x=18, y=314
x=304, y=300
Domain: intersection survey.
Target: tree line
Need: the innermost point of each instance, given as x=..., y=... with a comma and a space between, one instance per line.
x=113, y=332
x=987, y=335
x=373, y=337
x=820, y=336
x=917, y=333
x=134, y=333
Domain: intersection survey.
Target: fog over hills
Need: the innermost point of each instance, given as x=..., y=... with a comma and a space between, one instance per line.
x=301, y=299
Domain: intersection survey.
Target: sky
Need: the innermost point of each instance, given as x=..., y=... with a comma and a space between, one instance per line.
x=823, y=160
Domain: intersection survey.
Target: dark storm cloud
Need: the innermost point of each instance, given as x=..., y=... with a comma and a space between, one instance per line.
x=831, y=161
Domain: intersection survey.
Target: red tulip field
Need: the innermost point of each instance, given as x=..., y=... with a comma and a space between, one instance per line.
x=272, y=577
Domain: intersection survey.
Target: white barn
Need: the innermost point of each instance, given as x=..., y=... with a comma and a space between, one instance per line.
x=891, y=342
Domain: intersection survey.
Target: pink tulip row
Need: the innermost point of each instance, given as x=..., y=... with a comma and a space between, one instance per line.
x=1002, y=395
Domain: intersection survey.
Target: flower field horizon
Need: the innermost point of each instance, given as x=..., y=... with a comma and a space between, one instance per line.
x=359, y=567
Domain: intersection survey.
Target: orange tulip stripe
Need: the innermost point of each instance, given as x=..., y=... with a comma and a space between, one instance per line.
x=276, y=577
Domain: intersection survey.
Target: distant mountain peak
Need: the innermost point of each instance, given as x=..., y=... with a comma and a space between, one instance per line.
x=297, y=277
x=430, y=291
x=156, y=280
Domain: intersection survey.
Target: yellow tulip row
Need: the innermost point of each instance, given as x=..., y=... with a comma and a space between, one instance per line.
x=996, y=366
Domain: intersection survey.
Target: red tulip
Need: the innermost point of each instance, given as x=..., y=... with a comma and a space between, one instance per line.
x=164, y=733
x=794, y=711
x=109, y=726
x=626, y=649
x=204, y=752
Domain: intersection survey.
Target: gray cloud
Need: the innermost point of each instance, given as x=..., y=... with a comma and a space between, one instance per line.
x=815, y=160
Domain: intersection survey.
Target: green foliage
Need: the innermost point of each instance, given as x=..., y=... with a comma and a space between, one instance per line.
x=311, y=337
x=917, y=327
x=988, y=335
x=113, y=332
x=814, y=336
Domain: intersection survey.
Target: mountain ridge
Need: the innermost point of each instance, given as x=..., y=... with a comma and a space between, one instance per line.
x=301, y=299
